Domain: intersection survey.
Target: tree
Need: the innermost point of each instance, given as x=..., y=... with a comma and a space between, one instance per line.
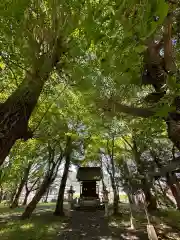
x=53, y=163
x=124, y=87
x=109, y=158
x=59, y=211
x=38, y=47
x=21, y=185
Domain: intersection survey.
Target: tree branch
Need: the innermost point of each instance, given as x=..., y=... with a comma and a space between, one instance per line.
x=32, y=187
x=168, y=55
x=113, y=107
x=127, y=142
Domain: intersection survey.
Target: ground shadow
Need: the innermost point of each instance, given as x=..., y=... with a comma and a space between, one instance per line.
x=93, y=225
x=42, y=225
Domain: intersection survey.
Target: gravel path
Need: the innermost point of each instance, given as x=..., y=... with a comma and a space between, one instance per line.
x=86, y=225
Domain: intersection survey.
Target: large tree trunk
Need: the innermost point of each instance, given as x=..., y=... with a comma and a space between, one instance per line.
x=59, y=211
x=21, y=185
x=37, y=197
x=17, y=109
x=15, y=113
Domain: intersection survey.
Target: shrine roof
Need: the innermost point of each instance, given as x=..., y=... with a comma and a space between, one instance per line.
x=89, y=174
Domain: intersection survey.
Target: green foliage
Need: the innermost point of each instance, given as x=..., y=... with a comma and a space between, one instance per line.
x=103, y=43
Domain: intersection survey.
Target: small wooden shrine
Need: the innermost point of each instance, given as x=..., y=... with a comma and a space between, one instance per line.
x=89, y=176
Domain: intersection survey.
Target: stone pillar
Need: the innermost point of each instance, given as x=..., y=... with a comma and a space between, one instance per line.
x=106, y=201
x=70, y=199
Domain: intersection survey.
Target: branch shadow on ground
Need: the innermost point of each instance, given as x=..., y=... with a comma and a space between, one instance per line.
x=42, y=225
x=92, y=225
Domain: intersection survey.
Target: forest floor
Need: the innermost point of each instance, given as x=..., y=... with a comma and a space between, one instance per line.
x=42, y=225
x=85, y=225
x=166, y=224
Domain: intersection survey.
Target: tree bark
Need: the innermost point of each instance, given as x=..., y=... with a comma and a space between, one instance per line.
x=21, y=185
x=115, y=196
x=103, y=183
x=173, y=124
x=167, y=200
x=116, y=204
x=150, y=199
x=171, y=181
x=12, y=196
x=46, y=197
x=59, y=211
x=32, y=205
x=174, y=190
x=1, y=194
x=26, y=198
x=111, y=170
x=48, y=180
x=17, y=196
x=17, y=109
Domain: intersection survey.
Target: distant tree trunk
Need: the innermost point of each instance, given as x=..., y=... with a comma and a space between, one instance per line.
x=115, y=197
x=103, y=183
x=26, y=197
x=111, y=170
x=32, y=205
x=150, y=199
x=29, y=190
x=12, y=195
x=128, y=184
x=59, y=211
x=21, y=185
x=46, y=197
x=39, y=183
x=1, y=194
x=48, y=180
x=17, y=196
x=116, y=204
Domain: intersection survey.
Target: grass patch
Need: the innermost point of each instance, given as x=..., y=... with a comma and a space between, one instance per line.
x=42, y=225
x=6, y=211
x=170, y=217
x=166, y=222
